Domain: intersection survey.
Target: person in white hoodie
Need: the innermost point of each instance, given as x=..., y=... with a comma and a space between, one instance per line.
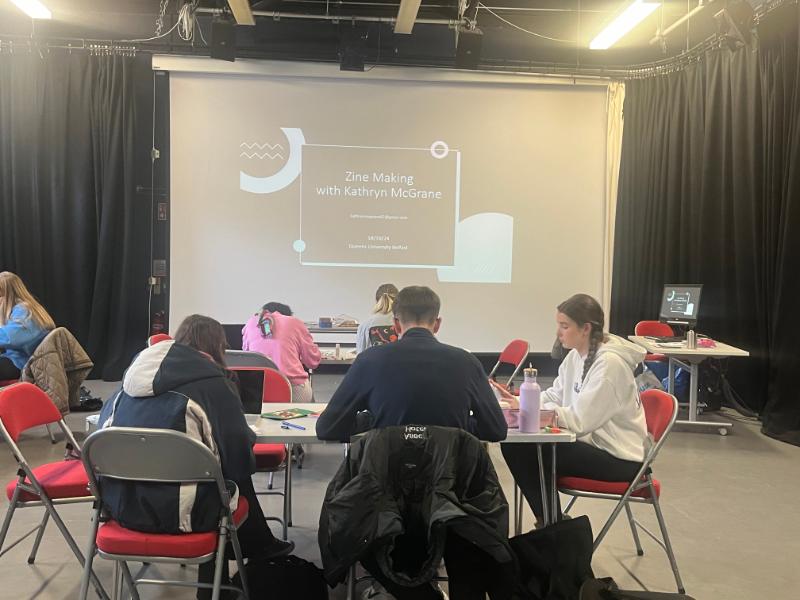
x=595, y=396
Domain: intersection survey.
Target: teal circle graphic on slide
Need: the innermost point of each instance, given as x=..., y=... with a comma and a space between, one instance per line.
x=299, y=245
x=439, y=149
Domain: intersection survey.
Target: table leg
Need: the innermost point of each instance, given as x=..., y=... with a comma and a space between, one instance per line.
x=693, y=383
x=553, y=481
x=516, y=509
x=671, y=377
x=542, y=486
x=287, y=497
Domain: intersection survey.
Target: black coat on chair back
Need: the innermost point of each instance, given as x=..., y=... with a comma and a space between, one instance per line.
x=406, y=488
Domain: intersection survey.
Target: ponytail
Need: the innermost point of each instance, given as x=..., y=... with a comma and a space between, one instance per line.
x=384, y=299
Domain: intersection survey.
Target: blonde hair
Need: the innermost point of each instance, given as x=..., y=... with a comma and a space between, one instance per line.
x=13, y=292
x=384, y=298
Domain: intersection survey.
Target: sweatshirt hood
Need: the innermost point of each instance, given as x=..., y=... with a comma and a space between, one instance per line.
x=627, y=351
x=166, y=366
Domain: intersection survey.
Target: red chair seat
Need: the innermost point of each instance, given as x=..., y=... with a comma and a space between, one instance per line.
x=113, y=538
x=65, y=479
x=605, y=487
x=269, y=456
x=5, y=382
x=655, y=358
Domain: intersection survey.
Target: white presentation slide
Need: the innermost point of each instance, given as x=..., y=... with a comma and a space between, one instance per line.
x=314, y=189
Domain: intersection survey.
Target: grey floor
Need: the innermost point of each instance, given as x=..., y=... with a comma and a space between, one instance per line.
x=729, y=503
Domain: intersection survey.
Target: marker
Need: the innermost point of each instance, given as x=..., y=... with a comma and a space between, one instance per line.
x=287, y=425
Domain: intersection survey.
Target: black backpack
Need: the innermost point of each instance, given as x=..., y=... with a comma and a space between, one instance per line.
x=554, y=561
x=285, y=578
x=606, y=589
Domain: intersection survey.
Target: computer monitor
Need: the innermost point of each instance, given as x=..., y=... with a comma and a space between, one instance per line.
x=680, y=303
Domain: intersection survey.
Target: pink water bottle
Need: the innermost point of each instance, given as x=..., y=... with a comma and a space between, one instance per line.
x=529, y=402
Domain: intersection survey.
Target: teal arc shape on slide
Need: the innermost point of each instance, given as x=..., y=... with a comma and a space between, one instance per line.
x=283, y=178
x=483, y=253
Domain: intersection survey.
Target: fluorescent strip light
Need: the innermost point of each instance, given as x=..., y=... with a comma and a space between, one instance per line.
x=626, y=21
x=242, y=12
x=406, y=15
x=34, y=9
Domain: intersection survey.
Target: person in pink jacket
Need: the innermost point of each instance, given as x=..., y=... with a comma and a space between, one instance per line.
x=285, y=339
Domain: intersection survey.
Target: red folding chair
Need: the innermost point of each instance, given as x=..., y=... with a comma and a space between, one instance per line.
x=655, y=329
x=514, y=354
x=159, y=337
x=23, y=406
x=273, y=457
x=163, y=456
x=661, y=410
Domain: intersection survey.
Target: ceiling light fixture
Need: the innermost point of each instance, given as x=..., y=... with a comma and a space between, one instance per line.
x=406, y=15
x=242, y=12
x=34, y=9
x=627, y=20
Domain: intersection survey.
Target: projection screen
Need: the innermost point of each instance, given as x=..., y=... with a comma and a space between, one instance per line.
x=304, y=185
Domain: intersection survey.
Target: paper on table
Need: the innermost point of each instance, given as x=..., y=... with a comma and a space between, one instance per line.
x=290, y=413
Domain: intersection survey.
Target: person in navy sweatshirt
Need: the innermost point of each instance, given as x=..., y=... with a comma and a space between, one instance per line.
x=415, y=381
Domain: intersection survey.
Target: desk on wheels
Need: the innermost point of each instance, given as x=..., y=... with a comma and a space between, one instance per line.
x=690, y=360
x=515, y=436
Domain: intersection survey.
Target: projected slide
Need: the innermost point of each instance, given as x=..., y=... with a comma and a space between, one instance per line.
x=383, y=206
x=375, y=207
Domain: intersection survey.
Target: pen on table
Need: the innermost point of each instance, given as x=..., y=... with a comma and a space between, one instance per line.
x=292, y=425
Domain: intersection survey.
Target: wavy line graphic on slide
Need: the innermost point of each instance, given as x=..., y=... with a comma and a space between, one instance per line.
x=251, y=145
x=261, y=155
x=284, y=177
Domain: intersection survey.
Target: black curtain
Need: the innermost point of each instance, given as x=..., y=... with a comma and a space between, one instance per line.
x=709, y=189
x=70, y=222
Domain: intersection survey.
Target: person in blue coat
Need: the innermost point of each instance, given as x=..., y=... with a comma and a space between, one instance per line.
x=24, y=323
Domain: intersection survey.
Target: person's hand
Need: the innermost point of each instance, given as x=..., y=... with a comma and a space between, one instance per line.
x=505, y=395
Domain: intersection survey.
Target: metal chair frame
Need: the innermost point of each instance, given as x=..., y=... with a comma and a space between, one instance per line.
x=642, y=480
x=160, y=456
x=286, y=520
x=517, y=367
x=25, y=471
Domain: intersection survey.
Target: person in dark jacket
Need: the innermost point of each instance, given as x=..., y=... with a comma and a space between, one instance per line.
x=182, y=385
x=416, y=380
x=406, y=498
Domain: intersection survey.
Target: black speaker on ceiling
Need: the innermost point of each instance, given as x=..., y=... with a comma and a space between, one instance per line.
x=352, y=48
x=468, y=48
x=223, y=39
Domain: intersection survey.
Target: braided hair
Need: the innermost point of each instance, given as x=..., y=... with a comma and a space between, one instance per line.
x=583, y=309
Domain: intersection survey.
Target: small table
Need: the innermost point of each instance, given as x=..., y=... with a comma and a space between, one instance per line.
x=269, y=431
x=690, y=360
x=515, y=436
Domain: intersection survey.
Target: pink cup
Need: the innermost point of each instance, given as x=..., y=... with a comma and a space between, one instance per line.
x=512, y=417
